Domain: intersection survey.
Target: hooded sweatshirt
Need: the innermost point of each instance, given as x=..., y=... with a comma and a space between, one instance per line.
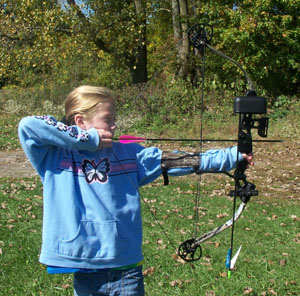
x=91, y=202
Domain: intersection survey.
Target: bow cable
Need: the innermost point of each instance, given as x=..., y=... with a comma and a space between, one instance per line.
x=198, y=194
x=144, y=200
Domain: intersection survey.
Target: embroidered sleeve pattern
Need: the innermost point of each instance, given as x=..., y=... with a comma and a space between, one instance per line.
x=72, y=130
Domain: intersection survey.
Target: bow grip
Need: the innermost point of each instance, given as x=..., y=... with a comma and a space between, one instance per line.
x=244, y=142
x=244, y=146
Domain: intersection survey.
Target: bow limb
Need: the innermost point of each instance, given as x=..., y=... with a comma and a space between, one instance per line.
x=190, y=250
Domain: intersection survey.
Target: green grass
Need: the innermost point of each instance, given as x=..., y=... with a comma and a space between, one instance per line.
x=9, y=132
x=268, y=230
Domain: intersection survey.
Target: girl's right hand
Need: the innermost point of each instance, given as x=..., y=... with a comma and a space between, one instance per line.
x=106, y=139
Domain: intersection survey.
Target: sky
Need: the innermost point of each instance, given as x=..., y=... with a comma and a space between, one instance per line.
x=64, y=5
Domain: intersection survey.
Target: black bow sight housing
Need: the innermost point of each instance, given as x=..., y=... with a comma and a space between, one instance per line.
x=246, y=107
x=249, y=105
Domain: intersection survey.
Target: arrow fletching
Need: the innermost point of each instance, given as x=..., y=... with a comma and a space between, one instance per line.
x=126, y=139
x=231, y=263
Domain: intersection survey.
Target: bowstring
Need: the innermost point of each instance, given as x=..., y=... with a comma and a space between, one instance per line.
x=233, y=216
x=199, y=179
x=198, y=189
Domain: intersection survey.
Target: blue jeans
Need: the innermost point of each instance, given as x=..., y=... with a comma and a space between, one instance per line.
x=108, y=282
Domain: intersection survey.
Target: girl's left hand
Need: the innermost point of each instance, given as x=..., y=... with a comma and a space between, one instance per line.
x=248, y=158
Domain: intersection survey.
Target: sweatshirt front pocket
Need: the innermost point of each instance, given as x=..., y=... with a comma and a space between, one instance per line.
x=94, y=240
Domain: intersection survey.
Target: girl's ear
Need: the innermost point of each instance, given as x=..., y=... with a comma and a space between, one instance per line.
x=79, y=121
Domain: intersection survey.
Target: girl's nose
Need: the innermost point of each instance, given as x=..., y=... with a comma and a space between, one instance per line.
x=114, y=126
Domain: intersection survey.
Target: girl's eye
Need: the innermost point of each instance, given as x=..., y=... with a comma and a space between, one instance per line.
x=109, y=120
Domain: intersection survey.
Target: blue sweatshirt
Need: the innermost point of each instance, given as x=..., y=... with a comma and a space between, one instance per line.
x=92, y=211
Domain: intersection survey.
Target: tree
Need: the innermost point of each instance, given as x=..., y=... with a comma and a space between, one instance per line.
x=180, y=28
x=264, y=36
x=33, y=34
x=38, y=37
x=30, y=34
x=118, y=28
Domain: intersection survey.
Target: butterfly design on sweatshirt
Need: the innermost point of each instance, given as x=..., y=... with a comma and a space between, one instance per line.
x=95, y=171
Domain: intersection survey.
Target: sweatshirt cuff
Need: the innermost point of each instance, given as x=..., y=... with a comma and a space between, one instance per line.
x=220, y=160
x=94, y=138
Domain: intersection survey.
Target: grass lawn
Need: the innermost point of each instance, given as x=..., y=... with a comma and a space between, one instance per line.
x=269, y=229
x=269, y=232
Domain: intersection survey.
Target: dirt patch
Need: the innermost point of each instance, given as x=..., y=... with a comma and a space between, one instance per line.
x=15, y=164
x=276, y=172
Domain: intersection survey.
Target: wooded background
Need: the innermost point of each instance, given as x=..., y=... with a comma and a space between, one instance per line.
x=126, y=42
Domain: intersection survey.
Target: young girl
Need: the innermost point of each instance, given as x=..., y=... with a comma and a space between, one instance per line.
x=92, y=222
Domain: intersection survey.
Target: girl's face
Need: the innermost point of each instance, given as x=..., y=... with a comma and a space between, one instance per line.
x=104, y=119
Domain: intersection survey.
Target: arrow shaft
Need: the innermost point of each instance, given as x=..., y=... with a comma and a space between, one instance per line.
x=189, y=140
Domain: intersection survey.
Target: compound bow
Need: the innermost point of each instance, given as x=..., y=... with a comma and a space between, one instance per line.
x=246, y=107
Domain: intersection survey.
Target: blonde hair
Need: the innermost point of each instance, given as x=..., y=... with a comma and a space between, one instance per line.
x=85, y=100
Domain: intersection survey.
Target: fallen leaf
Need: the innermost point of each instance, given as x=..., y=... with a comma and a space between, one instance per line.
x=222, y=215
x=270, y=290
x=247, y=290
x=295, y=218
x=297, y=238
x=217, y=244
x=175, y=283
x=282, y=262
x=148, y=271
x=160, y=241
x=178, y=259
x=66, y=286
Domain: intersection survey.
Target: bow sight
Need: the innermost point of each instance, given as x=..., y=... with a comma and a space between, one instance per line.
x=246, y=107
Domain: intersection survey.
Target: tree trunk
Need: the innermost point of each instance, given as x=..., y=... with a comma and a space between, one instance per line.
x=176, y=22
x=184, y=50
x=138, y=63
x=138, y=66
x=180, y=11
x=136, y=59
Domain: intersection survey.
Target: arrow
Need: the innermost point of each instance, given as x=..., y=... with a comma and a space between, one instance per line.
x=126, y=139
